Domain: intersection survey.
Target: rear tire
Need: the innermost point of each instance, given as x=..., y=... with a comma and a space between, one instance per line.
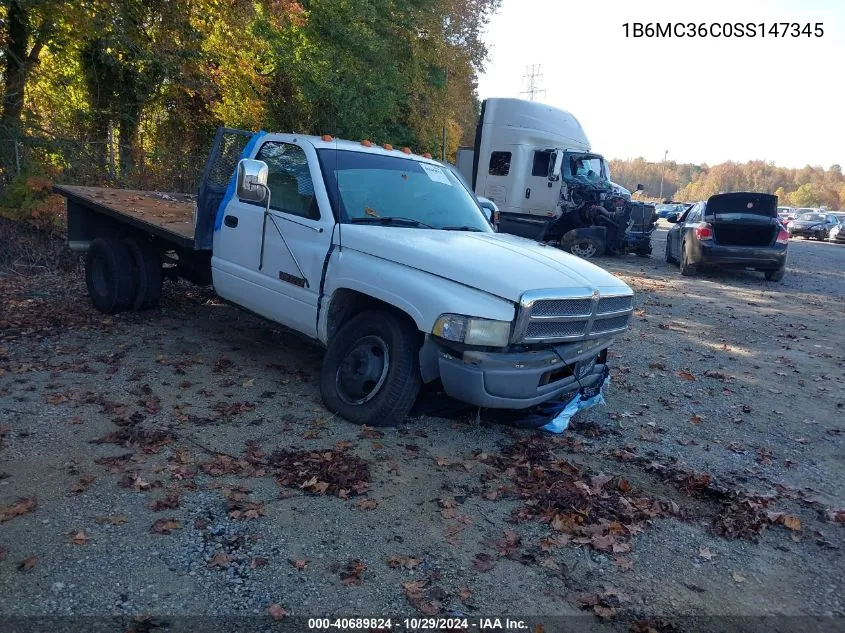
x=148, y=274
x=775, y=275
x=371, y=371
x=687, y=269
x=109, y=275
x=584, y=247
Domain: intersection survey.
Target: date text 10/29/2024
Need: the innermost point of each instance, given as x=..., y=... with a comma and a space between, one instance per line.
x=723, y=29
x=417, y=624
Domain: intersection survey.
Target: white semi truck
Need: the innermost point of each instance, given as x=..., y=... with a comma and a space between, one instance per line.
x=382, y=256
x=535, y=162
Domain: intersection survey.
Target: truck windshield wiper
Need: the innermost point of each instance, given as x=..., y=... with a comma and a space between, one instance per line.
x=474, y=229
x=390, y=221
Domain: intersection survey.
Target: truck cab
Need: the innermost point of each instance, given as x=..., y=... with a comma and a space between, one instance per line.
x=382, y=256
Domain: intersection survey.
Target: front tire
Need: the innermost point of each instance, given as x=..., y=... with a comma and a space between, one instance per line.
x=687, y=269
x=584, y=247
x=371, y=371
x=109, y=275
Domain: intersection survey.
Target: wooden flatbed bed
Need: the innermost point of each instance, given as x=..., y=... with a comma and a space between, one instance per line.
x=169, y=216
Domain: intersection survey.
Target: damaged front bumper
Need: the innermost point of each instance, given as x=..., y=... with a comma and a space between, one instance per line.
x=520, y=380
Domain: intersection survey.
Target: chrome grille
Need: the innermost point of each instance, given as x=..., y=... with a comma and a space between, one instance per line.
x=608, y=325
x=551, y=329
x=615, y=304
x=544, y=318
x=562, y=307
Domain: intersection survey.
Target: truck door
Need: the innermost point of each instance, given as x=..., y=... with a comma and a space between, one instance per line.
x=282, y=283
x=541, y=195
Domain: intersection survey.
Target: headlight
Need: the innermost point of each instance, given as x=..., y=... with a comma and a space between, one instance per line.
x=472, y=331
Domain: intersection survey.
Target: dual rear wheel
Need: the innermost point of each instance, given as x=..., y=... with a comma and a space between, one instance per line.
x=123, y=274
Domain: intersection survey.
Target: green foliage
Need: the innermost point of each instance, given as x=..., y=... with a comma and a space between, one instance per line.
x=135, y=88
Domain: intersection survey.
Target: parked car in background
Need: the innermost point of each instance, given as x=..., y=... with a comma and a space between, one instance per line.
x=786, y=214
x=663, y=210
x=738, y=230
x=837, y=233
x=812, y=225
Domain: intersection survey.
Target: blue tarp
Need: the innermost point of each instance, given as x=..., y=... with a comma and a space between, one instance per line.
x=560, y=422
x=233, y=183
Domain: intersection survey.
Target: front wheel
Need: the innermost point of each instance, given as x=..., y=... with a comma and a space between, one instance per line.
x=585, y=247
x=371, y=371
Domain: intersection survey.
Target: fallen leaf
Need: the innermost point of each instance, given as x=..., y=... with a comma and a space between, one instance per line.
x=27, y=564
x=79, y=538
x=483, y=562
x=22, y=506
x=407, y=562
x=352, y=574
x=220, y=559
x=604, y=612
x=277, y=612
x=298, y=563
x=737, y=578
x=791, y=522
x=696, y=419
x=464, y=594
x=257, y=562
x=685, y=375
x=366, y=504
x=705, y=553
x=165, y=526
x=623, y=564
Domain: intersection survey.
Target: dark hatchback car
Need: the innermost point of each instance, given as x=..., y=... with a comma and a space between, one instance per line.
x=736, y=230
x=812, y=225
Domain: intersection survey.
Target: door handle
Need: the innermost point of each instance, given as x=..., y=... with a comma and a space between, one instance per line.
x=231, y=221
x=528, y=193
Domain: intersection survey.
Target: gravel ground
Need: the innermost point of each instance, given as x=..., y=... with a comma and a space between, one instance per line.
x=723, y=427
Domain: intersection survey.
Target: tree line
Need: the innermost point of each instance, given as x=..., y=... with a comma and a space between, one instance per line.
x=805, y=187
x=135, y=88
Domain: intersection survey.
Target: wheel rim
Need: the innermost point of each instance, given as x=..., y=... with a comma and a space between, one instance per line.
x=100, y=277
x=584, y=249
x=363, y=371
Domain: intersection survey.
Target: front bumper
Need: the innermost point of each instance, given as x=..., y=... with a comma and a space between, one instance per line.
x=521, y=380
x=763, y=257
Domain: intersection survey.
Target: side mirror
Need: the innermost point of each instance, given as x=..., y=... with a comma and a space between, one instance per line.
x=490, y=210
x=640, y=187
x=252, y=180
x=555, y=165
x=672, y=218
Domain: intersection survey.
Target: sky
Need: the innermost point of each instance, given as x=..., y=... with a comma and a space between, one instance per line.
x=705, y=100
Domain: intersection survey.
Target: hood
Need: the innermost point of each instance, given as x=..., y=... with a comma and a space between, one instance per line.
x=805, y=224
x=502, y=265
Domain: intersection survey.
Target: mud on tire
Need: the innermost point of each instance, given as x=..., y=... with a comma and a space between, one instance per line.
x=109, y=275
x=371, y=373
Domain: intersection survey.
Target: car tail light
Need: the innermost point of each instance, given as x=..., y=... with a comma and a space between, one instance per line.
x=783, y=237
x=704, y=232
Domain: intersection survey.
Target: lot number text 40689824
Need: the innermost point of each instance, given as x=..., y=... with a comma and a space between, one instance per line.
x=723, y=29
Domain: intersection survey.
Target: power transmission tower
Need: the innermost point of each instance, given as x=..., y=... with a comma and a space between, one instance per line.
x=533, y=80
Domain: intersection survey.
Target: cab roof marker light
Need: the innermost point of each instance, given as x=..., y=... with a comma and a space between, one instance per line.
x=366, y=143
x=407, y=150
x=327, y=138
x=387, y=146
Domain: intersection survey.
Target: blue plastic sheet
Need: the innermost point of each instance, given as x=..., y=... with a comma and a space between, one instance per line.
x=560, y=422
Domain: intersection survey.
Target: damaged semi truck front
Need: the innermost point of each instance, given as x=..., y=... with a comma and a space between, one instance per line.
x=380, y=255
x=535, y=162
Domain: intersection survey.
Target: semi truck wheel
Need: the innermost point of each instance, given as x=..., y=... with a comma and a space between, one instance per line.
x=148, y=274
x=585, y=247
x=371, y=372
x=109, y=275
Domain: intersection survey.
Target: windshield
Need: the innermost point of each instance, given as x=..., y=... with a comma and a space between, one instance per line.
x=374, y=188
x=585, y=167
x=812, y=217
